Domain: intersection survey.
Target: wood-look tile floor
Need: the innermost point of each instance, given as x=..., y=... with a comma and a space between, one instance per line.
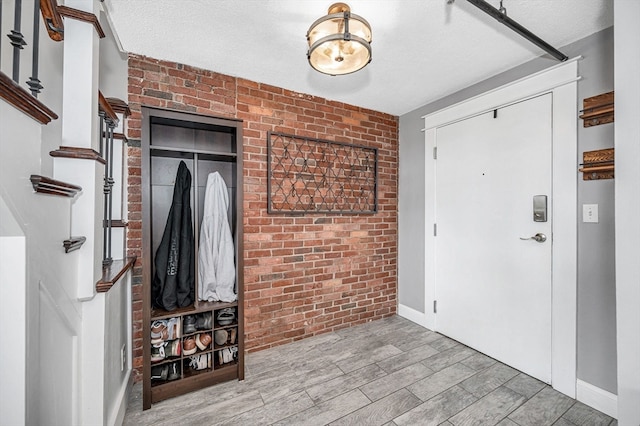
x=386, y=372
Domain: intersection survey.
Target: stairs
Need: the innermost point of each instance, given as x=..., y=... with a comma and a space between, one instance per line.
x=75, y=338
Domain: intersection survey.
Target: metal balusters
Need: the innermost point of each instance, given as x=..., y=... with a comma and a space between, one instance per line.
x=101, y=132
x=111, y=125
x=106, y=190
x=17, y=40
x=34, y=83
x=107, y=140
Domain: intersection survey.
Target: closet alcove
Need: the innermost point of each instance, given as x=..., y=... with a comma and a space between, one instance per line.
x=206, y=145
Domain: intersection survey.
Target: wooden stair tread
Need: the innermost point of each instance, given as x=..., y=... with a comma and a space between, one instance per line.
x=17, y=96
x=73, y=243
x=76, y=152
x=46, y=185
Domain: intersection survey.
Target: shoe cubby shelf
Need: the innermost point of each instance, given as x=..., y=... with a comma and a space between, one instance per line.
x=225, y=326
x=194, y=343
x=204, y=146
x=191, y=310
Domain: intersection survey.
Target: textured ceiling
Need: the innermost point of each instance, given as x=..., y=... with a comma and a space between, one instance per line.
x=422, y=49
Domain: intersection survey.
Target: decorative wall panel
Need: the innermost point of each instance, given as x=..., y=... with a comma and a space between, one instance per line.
x=308, y=175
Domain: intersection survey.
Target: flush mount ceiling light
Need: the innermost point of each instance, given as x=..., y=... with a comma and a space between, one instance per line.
x=339, y=43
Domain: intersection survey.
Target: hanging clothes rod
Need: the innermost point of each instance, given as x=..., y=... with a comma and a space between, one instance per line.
x=502, y=17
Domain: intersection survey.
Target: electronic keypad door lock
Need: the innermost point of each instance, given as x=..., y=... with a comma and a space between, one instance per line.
x=539, y=208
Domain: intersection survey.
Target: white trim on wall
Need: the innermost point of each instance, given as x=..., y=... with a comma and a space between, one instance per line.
x=561, y=81
x=597, y=398
x=115, y=416
x=413, y=315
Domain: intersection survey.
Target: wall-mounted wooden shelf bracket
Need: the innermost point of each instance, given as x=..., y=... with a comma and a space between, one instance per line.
x=598, y=110
x=598, y=164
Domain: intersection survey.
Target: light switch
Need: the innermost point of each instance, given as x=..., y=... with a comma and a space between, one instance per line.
x=590, y=213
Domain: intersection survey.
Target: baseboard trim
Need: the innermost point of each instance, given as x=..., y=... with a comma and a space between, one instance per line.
x=116, y=417
x=412, y=315
x=597, y=398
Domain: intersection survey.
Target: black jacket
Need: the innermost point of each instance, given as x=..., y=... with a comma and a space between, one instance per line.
x=173, y=280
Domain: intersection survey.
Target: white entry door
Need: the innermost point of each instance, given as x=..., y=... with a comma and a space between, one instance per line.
x=493, y=288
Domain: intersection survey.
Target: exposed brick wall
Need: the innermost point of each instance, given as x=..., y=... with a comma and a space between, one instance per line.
x=304, y=275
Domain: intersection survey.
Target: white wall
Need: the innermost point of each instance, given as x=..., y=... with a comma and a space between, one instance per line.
x=627, y=181
x=117, y=374
x=596, y=254
x=12, y=311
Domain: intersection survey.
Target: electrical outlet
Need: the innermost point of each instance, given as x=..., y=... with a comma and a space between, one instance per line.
x=590, y=213
x=123, y=357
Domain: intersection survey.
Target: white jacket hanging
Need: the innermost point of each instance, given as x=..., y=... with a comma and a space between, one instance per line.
x=216, y=266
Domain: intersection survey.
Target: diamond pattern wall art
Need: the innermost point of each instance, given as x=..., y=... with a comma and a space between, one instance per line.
x=308, y=175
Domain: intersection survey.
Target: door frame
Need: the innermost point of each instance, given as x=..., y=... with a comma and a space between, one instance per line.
x=561, y=81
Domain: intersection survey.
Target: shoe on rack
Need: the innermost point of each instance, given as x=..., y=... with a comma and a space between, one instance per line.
x=159, y=372
x=227, y=355
x=159, y=332
x=226, y=316
x=205, y=361
x=189, y=324
x=220, y=358
x=174, y=372
x=203, y=321
x=157, y=353
x=189, y=346
x=172, y=348
x=234, y=353
x=193, y=364
x=232, y=336
x=174, y=329
x=201, y=361
x=203, y=340
x=220, y=337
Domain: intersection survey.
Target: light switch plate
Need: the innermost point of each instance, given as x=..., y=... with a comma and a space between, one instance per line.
x=590, y=213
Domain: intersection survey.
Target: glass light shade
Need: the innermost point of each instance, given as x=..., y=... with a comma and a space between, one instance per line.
x=339, y=43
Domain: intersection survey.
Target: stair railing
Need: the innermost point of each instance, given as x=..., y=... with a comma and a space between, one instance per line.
x=108, y=122
x=11, y=89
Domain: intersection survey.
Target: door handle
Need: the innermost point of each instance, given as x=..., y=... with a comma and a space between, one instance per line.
x=539, y=237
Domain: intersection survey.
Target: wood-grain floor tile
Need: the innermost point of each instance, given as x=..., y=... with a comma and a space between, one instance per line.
x=544, y=408
x=328, y=411
x=490, y=409
x=392, y=382
x=429, y=387
x=438, y=409
x=382, y=410
x=344, y=383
